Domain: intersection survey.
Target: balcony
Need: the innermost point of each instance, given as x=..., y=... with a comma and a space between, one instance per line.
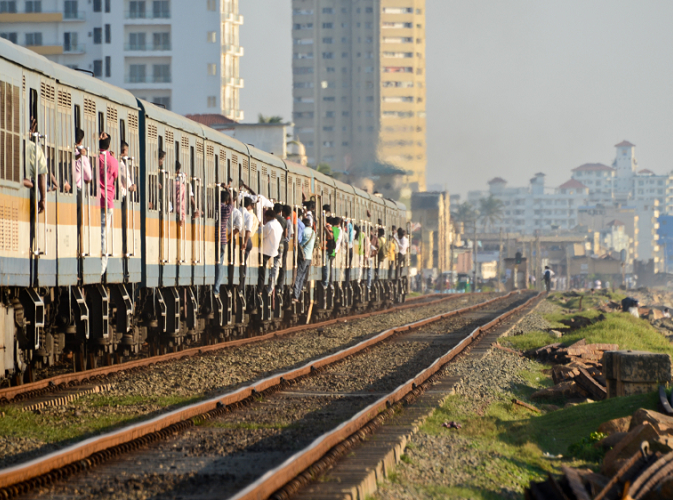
x=78, y=16
x=233, y=18
x=147, y=79
x=147, y=47
x=146, y=15
x=234, y=82
x=78, y=48
x=31, y=17
x=234, y=50
x=46, y=50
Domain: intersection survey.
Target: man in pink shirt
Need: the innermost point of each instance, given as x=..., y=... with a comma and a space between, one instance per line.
x=107, y=193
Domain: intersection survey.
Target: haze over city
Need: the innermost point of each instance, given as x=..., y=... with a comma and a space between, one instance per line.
x=514, y=88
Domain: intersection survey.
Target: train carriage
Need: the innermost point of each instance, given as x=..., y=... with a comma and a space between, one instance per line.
x=163, y=240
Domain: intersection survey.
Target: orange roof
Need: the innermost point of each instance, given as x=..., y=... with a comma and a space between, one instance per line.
x=625, y=144
x=572, y=184
x=592, y=167
x=210, y=119
x=646, y=171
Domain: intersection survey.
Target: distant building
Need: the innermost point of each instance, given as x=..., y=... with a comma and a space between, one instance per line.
x=359, y=85
x=183, y=55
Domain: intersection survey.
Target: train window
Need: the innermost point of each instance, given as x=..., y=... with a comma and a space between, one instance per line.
x=101, y=123
x=190, y=178
x=228, y=172
x=161, y=143
x=122, y=131
x=78, y=117
x=33, y=104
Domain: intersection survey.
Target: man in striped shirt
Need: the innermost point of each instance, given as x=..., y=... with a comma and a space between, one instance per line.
x=226, y=207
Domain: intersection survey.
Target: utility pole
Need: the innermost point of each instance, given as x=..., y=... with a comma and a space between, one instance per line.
x=499, y=273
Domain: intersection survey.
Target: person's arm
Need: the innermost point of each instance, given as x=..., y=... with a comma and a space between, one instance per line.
x=85, y=166
x=42, y=187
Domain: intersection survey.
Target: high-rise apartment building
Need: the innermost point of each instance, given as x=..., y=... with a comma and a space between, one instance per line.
x=359, y=84
x=182, y=54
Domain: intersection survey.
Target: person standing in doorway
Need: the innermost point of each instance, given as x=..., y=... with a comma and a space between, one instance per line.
x=108, y=173
x=272, y=234
x=548, y=273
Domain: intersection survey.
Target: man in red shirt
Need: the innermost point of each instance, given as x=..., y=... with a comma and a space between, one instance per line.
x=109, y=169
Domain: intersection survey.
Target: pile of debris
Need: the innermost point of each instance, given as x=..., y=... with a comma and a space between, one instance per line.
x=577, y=370
x=638, y=464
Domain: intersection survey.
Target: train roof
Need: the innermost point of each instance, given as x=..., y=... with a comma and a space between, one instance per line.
x=224, y=140
x=267, y=158
x=169, y=118
x=34, y=62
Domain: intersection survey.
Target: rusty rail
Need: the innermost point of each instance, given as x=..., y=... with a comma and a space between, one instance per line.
x=20, y=478
x=275, y=479
x=61, y=381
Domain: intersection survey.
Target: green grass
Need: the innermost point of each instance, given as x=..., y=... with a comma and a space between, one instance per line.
x=52, y=427
x=588, y=300
x=618, y=328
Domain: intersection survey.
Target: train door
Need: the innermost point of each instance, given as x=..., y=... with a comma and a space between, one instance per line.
x=40, y=153
x=212, y=193
x=66, y=209
x=167, y=238
x=114, y=235
x=132, y=253
x=196, y=158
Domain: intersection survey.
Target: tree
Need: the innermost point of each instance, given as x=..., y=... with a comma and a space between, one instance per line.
x=465, y=214
x=490, y=211
x=269, y=119
x=326, y=169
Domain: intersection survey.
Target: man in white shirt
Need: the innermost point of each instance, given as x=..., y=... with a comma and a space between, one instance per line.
x=235, y=227
x=271, y=236
x=402, y=242
x=250, y=226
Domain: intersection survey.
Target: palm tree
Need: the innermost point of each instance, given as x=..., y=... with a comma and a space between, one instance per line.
x=465, y=214
x=490, y=211
x=269, y=119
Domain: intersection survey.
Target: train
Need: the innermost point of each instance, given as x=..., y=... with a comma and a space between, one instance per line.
x=156, y=293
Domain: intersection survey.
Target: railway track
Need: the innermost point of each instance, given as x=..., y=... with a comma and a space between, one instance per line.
x=318, y=404
x=67, y=381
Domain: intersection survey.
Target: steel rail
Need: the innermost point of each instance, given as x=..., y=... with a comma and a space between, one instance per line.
x=276, y=478
x=52, y=383
x=18, y=478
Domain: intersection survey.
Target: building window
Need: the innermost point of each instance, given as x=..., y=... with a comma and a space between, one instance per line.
x=212, y=36
x=212, y=69
x=33, y=39
x=160, y=9
x=328, y=10
x=98, y=36
x=107, y=6
x=8, y=7
x=96, y=5
x=70, y=9
x=12, y=37
x=328, y=55
x=212, y=5
x=328, y=40
x=108, y=66
x=108, y=34
x=137, y=9
x=327, y=26
x=162, y=41
x=212, y=101
x=98, y=68
x=136, y=41
x=70, y=42
x=161, y=73
x=136, y=73
x=165, y=102
x=33, y=6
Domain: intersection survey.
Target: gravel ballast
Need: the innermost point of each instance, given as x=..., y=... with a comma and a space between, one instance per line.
x=153, y=390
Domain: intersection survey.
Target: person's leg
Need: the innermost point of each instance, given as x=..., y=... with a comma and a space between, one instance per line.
x=370, y=272
x=261, y=275
x=276, y=267
x=244, y=264
x=104, y=218
x=302, y=268
x=219, y=270
x=283, y=268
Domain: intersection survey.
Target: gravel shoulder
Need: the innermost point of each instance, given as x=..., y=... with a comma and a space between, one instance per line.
x=481, y=460
x=139, y=395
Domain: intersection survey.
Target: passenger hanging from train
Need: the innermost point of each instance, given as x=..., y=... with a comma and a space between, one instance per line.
x=262, y=202
x=329, y=248
x=359, y=240
x=373, y=253
x=402, y=242
x=272, y=234
x=126, y=184
x=391, y=253
x=250, y=224
x=289, y=234
x=81, y=174
x=235, y=228
x=383, y=249
x=310, y=209
x=338, y=230
x=275, y=273
x=108, y=173
x=181, y=183
x=304, y=258
x=226, y=207
x=36, y=168
x=350, y=237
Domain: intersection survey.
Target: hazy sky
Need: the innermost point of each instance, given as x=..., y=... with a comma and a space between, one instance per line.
x=515, y=87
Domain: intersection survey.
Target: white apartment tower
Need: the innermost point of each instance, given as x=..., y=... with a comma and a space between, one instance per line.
x=359, y=84
x=626, y=165
x=181, y=54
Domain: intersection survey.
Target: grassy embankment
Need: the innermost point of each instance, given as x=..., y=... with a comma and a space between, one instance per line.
x=512, y=445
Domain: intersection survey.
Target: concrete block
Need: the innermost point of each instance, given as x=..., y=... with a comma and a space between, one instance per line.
x=641, y=366
x=611, y=388
x=632, y=388
x=608, y=365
